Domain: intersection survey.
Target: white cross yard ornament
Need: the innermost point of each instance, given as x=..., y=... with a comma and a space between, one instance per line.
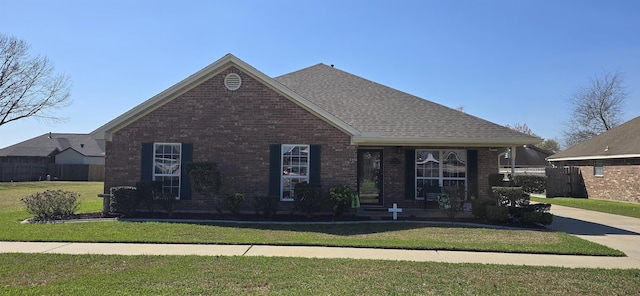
x=395, y=210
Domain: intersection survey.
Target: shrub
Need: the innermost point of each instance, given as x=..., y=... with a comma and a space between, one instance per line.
x=148, y=192
x=496, y=213
x=206, y=180
x=233, y=201
x=510, y=196
x=266, y=206
x=531, y=183
x=496, y=180
x=124, y=200
x=52, y=204
x=306, y=197
x=479, y=206
x=536, y=218
x=341, y=198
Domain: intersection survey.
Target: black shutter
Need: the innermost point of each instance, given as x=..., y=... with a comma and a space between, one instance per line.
x=472, y=173
x=409, y=173
x=275, y=169
x=185, y=180
x=146, y=162
x=314, y=164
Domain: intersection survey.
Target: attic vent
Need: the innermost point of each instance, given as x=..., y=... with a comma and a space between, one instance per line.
x=232, y=81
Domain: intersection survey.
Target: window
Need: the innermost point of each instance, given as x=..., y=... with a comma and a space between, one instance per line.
x=295, y=168
x=167, y=167
x=598, y=168
x=438, y=169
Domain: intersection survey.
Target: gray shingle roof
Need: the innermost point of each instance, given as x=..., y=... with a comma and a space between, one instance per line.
x=622, y=141
x=374, y=108
x=53, y=143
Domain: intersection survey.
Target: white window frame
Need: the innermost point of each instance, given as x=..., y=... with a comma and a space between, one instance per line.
x=292, y=172
x=442, y=154
x=598, y=168
x=168, y=173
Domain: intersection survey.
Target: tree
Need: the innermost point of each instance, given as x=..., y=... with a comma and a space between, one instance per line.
x=28, y=85
x=550, y=144
x=595, y=108
x=523, y=128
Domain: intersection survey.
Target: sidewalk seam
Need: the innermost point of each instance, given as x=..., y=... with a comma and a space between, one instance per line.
x=58, y=247
x=247, y=251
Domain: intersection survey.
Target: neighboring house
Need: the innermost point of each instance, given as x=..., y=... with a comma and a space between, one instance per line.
x=529, y=160
x=317, y=125
x=610, y=162
x=76, y=157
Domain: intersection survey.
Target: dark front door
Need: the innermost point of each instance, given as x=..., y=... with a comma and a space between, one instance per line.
x=370, y=176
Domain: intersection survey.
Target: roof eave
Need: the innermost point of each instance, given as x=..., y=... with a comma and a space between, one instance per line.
x=593, y=157
x=452, y=142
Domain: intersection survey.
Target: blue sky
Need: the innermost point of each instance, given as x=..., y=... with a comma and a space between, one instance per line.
x=509, y=61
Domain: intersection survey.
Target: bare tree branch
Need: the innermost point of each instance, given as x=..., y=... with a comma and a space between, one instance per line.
x=595, y=108
x=28, y=85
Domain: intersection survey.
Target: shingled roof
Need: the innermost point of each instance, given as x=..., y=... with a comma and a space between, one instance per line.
x=622, y=141
x=371, y=113
x=53, y=143
x=383, y=114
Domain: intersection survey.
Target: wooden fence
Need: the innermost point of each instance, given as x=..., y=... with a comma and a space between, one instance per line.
x=19, y=172
x=566, y=182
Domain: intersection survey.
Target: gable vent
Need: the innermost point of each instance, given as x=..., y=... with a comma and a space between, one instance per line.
x=232, y=81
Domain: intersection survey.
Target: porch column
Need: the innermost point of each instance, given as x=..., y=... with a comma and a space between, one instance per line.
x=513, y=160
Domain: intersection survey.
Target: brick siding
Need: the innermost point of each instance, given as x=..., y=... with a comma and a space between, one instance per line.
x=620, y=181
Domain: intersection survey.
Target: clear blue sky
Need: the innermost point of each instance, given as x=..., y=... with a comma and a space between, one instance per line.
x=505, y=61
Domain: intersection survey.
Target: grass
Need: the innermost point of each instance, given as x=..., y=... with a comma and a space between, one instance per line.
x=385, y=235
x=53, y=274
x=605, y=206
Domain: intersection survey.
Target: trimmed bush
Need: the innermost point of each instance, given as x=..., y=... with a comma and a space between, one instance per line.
x=266, y=206
x=306, y=197
x=51, y=204
x=479, y=206
x=148, y=192
x=206, y=180
x=124, y=200
x=510, y=196
x=233, y=201
x=536, y=218
x=496, y=213
x=341, y=198
x=496, y=179
x=531, y=183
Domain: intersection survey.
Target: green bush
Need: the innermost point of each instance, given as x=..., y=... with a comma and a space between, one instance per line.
x=51, y=204
x=206, y=180
x=266, y=206
x=536, y=218
x=341, y=198
x=496, y=213
x=510, y=196
x=233, y=201
x=148, y=192
x=496, y=179
x=306, y=197
x=479, y=206
x=124, y=200
x=531, y=183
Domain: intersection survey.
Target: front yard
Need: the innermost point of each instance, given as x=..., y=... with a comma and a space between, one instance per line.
x=45, y=274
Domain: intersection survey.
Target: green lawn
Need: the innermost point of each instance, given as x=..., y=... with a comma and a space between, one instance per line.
x=385, y=235
x=606, y=206
x=57, y=274
x=52, y=274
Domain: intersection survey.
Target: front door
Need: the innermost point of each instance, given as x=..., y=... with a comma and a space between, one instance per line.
x=370, y=176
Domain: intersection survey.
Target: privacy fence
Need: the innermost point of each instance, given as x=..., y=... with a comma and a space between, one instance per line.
x=566, y=181
x=18, y=172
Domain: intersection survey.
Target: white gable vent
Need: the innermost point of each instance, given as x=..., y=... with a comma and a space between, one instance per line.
x=232, y=81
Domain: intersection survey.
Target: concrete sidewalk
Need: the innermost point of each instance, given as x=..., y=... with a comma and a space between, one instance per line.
x=320, y=252
x=618, y=232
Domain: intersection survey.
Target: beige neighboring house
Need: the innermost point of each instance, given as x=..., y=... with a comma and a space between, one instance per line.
x=610, y=162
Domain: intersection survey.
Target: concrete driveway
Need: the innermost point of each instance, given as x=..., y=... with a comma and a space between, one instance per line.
x=617, y=232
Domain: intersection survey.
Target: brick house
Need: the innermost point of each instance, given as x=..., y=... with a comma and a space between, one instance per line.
x=609, y=162
x=317, y=125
